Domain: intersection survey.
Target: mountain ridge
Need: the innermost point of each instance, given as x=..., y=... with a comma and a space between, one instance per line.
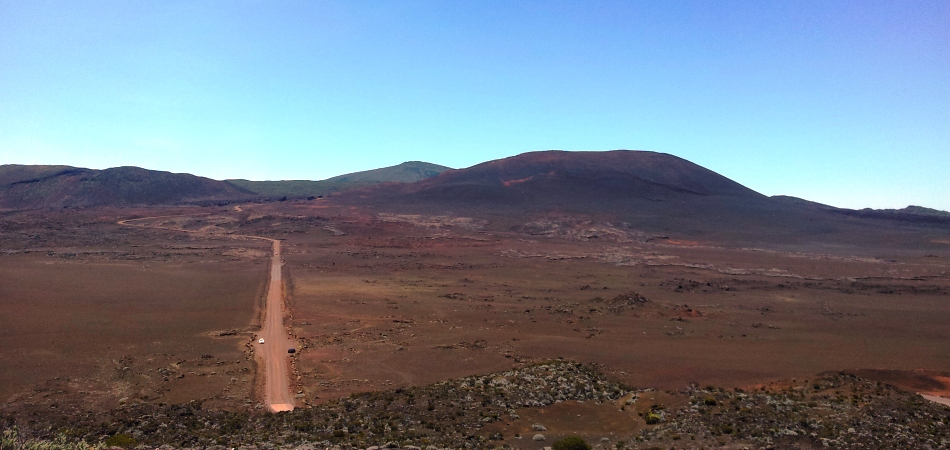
x=35, y=187
x=627, y=181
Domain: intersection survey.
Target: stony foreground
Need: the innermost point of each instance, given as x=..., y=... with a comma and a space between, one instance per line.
x=832, y=411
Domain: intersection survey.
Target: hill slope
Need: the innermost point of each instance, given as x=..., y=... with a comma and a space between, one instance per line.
x=406, y=172
x=645, y=191
x=615, y=174
x=30, y=187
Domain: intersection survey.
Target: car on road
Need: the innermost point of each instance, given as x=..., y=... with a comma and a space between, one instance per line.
x=260, y=341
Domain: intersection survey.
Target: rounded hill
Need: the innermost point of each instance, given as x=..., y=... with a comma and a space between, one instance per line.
x=618, y=173
x=646, y=190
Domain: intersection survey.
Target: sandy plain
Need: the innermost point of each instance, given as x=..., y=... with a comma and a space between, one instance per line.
x=100, y=314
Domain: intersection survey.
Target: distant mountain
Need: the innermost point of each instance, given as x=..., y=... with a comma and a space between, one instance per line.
x=406, y=172
x=912, y=209
x=581, y=181
x=910, y=214
x=643, y=190
x=639, y=190
x=30, y=187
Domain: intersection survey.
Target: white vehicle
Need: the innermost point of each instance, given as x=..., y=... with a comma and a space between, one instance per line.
x=260, y=341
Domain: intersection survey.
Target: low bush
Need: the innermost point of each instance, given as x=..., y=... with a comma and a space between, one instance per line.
x=571, y=443
x=121, y=440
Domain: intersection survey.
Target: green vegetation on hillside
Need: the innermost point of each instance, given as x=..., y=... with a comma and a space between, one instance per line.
x=406, y=172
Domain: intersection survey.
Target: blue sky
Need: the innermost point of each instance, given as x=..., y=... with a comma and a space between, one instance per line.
x=845, y=103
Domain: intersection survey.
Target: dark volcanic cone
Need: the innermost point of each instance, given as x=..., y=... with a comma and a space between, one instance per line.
x=619, y=184
x=553, y=176
x=638, y=190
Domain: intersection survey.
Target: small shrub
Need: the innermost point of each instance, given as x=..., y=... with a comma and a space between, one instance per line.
x=9, y=439
x=571, y=443
x=652, y=418
x=122, y=440
x=710, y=401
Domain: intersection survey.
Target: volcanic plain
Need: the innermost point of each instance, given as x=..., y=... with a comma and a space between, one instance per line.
x=98, y=315
x=386, y=304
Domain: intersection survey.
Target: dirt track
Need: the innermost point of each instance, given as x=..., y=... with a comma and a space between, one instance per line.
x=274, y=350
x=272, y=355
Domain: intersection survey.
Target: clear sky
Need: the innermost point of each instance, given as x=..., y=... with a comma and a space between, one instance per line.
x=841, y=102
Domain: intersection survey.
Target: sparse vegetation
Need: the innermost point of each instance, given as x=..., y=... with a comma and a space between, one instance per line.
x=571, y=443
x=11, y=440
x=121, y=440
x=652, y=418
x=361, y=420
x=807, y=415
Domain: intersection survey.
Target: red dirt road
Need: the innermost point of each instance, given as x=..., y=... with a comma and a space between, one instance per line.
x=273, y=356
x=276, y=342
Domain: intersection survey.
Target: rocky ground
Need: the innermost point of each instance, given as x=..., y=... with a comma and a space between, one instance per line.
x=447, y=414
x=830, y=411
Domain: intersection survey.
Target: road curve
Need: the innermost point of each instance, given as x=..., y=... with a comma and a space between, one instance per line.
x=273, y=356
x=936, y=399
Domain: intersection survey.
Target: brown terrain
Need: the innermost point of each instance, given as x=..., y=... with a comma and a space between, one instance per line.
x=688, y=291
